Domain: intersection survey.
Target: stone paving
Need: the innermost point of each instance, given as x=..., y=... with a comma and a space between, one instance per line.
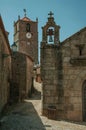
x=27, y=116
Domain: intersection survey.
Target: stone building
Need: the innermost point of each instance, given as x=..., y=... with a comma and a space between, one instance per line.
x=63, y=71
x=22, y=75
x=5, y=66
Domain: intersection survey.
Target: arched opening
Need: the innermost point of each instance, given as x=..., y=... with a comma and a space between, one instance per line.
x=50, y=35
x=84, y=100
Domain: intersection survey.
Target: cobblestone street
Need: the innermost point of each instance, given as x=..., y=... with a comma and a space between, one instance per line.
x=27, y=116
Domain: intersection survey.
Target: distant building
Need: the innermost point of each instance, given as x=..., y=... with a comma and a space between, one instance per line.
x=37, y=74
x=63, y=71
x=5, y=66
x=26, y=37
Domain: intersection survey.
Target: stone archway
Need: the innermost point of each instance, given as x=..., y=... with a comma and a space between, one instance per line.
x=84, y=100
x=78, y=85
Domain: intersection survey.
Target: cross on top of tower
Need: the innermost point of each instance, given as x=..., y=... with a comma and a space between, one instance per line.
x=24, y=12
x=51, y=14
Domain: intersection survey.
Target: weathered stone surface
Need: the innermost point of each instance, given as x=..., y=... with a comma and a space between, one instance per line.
x=5, y=67
x=22, y=73
x=74, y=115
x=74, y=76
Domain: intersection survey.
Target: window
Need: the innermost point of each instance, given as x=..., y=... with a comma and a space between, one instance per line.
x=28, y=27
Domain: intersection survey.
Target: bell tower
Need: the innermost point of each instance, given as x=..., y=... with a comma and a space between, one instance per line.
x=51, y=69
x=50, y=32
x=26, y=36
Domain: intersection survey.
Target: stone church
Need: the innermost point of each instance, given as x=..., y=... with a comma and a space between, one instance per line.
x=63, y=72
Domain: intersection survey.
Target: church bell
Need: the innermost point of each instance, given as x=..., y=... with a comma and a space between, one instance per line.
x=50, y=39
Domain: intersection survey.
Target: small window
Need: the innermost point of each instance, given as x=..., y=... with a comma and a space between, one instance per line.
x=80, y=48
x=80, y=52
x=28, y=27
x=15, y=28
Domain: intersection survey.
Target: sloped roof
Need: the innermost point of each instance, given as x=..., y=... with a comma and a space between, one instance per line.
x=4, y=32
x=26, y=19
x=75, y=34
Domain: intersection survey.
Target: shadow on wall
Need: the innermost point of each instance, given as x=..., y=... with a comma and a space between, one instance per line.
x=36, y=91
x=36, y=95
x=22, y=116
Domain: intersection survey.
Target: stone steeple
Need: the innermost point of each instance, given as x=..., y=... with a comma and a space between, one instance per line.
x=50, y=32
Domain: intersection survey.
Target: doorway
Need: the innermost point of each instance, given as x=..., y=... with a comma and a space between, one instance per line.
x=84, y=100
x=14, y=92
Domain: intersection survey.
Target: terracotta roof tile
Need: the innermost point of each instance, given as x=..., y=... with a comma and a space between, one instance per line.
x=25, y=19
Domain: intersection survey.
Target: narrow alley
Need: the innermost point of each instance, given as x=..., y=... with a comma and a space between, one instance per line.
x=27, y=116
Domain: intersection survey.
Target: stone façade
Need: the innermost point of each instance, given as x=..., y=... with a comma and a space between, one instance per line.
x=74, y=72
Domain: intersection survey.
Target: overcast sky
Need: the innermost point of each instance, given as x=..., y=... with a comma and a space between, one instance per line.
x=69, y=14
